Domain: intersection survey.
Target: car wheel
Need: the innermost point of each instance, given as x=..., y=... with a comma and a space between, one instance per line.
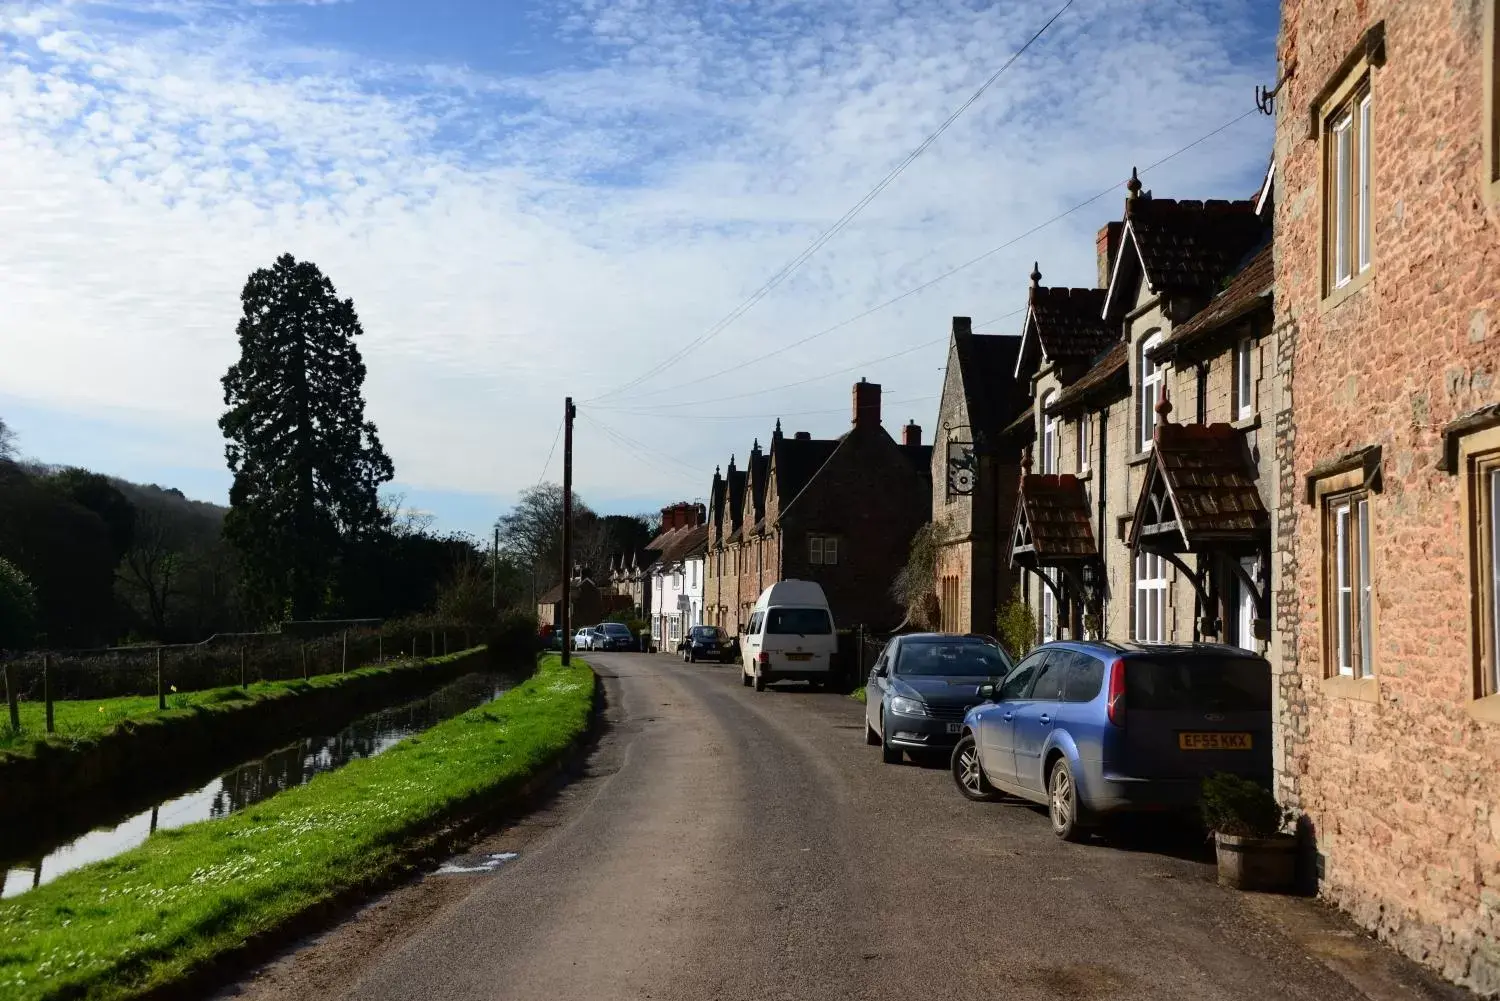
x=1062, y=802
x=890, y=754
x=745, y=679
x=692, y=658
x=760, y=682
x=871, y=737
x=968, y=774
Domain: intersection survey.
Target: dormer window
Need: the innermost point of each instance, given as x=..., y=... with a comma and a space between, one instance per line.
x=1150, y=376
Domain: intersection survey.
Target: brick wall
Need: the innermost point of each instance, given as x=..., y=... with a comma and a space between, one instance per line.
x=1402, y=792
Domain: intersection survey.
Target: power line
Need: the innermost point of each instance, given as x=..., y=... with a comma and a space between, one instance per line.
x=955, y=270
x=769, y=416
x=550, y=453
x=621, y=438
x=838, y=226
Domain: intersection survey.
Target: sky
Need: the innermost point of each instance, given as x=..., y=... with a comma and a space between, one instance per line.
x=530, y=199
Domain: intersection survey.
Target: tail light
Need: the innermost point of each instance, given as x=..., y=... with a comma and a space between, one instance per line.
x=1117, y=693
x=764, y=657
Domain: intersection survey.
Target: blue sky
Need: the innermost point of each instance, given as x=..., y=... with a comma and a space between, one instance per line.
x=527, y=200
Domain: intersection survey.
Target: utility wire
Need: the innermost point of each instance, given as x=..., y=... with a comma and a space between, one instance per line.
x=955, y=270
x=837, y=227
x=550, y=453
x=766, y=417
x=622, y=438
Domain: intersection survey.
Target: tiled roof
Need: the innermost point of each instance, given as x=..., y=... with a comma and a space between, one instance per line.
x=736, y=487
x=1192, y=245
x=797, y=460
x=1070, y=322
x=920, y=457
x=1025, y=421
x=1052, y=513
x=987, y=370
x=1246, y=292
x=554, y=595
x=1207, y=473
x=760, y=465
x=1106, y=371
x=682, y=543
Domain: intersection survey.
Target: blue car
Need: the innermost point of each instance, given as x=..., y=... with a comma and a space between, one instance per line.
x=921, y=687
x=1091, y=729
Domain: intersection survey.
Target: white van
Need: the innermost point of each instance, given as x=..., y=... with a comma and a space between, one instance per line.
x=790, y=636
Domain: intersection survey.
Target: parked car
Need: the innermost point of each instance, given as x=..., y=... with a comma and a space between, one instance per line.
x=706, y=643
x=1099, y=728
x=921, y=686
x=583, y=639
x=789, y=637
x=612, y=636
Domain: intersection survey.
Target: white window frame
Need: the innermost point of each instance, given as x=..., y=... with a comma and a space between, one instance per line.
x=1351, y=586
x=1491, y=684
x=1150, y=573
x=1151, y=376
x=1348, y=186
x=823, y=550
x=1084, y=445
x=1049, y=438
x=1049, y=608
x=1244, y=378
x=1245, y=632
x=815, y=550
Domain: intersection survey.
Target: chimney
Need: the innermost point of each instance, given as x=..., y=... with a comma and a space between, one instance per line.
x=866, y=404
x=963, y=325
x=803, y=436
x=700, y=515
x=1107, y=247
x=911, y=434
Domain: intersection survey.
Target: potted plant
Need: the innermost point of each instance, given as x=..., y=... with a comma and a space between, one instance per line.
x=1246, y=821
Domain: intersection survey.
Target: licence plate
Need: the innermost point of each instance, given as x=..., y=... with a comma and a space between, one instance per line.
x=954, y=727
x=1213, y=741
x=799, y=656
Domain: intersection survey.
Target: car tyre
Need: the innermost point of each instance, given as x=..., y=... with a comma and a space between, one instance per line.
x=871, y=737
x=745, y=679
x=760, y=682
x=889, y=753
x=1062, y=802
x=968, y=775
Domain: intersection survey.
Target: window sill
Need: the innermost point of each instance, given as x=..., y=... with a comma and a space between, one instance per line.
x=1251, y=423
x=1084, y=474
x=1139, y=458
x=1485, y=710
x=1342, y=686
x=1336, y=297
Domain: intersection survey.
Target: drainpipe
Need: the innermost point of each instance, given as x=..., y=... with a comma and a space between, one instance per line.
x=1202, y=373
x=1100, y=493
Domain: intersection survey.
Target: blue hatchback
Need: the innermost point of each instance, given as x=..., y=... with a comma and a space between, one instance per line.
x=1095, y=728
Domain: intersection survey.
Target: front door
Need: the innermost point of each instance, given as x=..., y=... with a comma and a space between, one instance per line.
x=1033, y=720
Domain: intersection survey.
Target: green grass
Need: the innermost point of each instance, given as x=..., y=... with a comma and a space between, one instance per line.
x=155, y=914
x=858, y=695
x=89, y=719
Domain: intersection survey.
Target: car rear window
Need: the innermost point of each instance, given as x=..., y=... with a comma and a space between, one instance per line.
x=705, y=632
x=798, y=621
x=952, y=659
x=617, y=628
x=1198, y=683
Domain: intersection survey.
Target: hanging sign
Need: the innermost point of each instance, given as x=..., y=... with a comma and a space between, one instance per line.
x=963, y=470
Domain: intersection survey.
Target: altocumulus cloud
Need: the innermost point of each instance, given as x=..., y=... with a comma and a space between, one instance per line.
x=510, y=235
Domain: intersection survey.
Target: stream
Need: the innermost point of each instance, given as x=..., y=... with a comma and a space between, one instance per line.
x=257, y=779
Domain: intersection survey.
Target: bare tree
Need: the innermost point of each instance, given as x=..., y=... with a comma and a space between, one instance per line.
x=531, y=532
x=7, y=440
x=152, y=567
x=405, y=520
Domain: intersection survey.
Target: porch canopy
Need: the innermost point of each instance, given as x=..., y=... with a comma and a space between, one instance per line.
x=1199, y=494
x=1051, y=526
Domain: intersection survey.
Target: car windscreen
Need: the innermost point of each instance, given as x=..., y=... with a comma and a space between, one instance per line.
x=705, y=633
x=798, y=621
x=961, y=660
x=1205, y=684
x=616, y=628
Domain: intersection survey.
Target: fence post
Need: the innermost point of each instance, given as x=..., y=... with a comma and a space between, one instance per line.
x=445, y=642
x=303, y=647
x=47, y=689
x=414, y=646
x=161, y=693
x=344, y=658
x=242, y=669
x=859, y=655
x=380, y=648
x=10, y=699
x=431, y=643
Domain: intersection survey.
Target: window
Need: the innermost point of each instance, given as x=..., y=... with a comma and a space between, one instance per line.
x=1150, y=598
x=1048, y=686
x=1083, y=444
x=1347, y=554
x=1149, y=393
x=1245, y=609
x=949, y=609
x=822, y=550
x=1244, y=379
x=1348, y=167
x=1491, y=100
x=1018, y=682
x=1049, y=608
x=798, y=622
x=1049, y=437
x=1083, y=678
x=1481, y=464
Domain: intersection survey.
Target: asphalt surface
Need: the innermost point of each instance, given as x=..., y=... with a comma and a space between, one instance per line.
x=729, y=844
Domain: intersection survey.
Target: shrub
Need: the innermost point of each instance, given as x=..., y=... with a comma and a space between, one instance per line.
x=17, y=608
x=513, y=635
x=1017, y=625
x=1240, y=807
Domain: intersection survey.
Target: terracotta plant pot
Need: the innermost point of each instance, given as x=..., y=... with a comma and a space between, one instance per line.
x=1267, y=865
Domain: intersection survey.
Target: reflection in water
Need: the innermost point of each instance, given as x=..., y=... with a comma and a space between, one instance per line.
x=261, y=778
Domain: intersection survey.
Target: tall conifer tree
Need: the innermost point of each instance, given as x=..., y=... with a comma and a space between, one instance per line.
x=307, y=465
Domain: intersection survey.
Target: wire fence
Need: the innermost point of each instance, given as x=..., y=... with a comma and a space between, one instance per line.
x=223, y=661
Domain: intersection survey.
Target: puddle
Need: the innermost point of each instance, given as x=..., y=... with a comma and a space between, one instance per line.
x=476, y=863
x=260, y=778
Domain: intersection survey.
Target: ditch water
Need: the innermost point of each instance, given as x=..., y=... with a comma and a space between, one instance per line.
x=252, y=781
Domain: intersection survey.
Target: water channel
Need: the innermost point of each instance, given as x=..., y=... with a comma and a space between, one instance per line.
x=254, y=780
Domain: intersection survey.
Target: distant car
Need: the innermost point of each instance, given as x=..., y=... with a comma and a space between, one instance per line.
x=1098, y=728
x=921, y=686
x=612, y=636
x=584, y=638
x=706, y=643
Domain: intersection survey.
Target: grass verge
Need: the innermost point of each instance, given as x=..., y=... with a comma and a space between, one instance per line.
x=159, y=913
x=78, y=721
x=858, y=695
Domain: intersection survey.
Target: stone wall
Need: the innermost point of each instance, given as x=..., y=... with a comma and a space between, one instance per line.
x=1399, y=784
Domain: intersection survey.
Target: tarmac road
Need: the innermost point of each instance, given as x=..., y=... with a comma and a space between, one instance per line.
x=729, y=844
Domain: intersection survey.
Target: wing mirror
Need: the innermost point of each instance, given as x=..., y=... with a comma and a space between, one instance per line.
x=880, y=670
x=988, y=691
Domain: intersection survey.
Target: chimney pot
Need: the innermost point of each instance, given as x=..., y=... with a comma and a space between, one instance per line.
x=963, y=324
x=866, y=404
x=1107, y=248
x=911, y=434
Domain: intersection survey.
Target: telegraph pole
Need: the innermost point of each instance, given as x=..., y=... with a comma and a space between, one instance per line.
x=566, y=625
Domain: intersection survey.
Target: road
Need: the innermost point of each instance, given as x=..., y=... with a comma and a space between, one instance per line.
x=729, y=844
